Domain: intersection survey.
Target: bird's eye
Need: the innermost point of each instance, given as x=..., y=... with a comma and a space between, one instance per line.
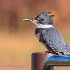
x=41, y=19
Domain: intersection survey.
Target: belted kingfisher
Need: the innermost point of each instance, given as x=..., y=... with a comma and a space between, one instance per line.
x=48, y=35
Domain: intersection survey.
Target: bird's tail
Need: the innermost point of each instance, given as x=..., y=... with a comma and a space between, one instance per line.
x=67, y=53
x=67, y=50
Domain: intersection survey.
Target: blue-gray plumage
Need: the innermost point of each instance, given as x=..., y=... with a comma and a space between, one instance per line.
x=55, y=40
x=48, y=35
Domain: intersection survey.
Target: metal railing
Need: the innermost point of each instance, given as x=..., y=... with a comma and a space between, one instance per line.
x=48, y=61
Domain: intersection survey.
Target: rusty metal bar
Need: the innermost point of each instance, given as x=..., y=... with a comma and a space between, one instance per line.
x=38, y=59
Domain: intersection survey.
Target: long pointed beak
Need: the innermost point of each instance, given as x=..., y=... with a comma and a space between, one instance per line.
x=28, y=19
x=31, y=20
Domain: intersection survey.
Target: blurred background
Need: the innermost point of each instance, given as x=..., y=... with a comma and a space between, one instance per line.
x=17, y=37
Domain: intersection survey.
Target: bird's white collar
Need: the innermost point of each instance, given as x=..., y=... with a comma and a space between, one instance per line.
x=43, y=26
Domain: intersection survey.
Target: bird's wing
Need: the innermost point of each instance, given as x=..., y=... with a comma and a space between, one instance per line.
x=55, y=40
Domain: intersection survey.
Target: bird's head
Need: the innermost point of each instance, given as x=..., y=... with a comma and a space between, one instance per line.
x=43, y=18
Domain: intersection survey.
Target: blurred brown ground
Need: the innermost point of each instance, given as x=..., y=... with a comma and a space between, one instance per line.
x=17, y=38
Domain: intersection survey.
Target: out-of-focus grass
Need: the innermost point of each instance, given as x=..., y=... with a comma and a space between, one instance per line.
x=16, y=49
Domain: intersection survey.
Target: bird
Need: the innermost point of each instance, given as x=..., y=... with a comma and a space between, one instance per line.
x=48, y=35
